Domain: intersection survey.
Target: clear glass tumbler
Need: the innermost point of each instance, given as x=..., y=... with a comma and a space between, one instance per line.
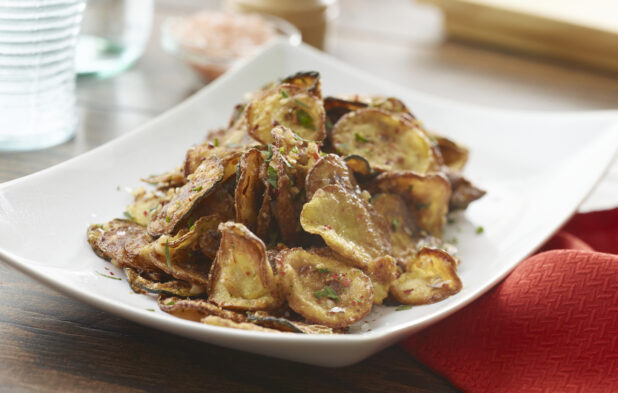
x=37, y=77
x=113, y=36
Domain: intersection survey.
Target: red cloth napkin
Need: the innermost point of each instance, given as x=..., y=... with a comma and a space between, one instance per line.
x=550, y=326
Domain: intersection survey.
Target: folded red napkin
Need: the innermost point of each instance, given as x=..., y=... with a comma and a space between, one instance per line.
x=550, y=326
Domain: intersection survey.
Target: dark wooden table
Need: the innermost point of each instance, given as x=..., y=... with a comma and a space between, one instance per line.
x=49, y=342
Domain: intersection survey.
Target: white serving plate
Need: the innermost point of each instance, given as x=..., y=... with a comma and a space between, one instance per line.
x=537, y=168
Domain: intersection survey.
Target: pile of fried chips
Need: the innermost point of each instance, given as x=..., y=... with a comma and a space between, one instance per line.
x=298, y=217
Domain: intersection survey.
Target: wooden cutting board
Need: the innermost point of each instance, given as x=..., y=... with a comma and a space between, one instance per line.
x=580, y=31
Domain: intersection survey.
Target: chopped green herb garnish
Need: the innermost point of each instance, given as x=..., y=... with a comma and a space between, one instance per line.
x=167, y=254
x=421, y=206
x=216, y=142
x=304, y=119
x=395, y=224
x=301, y=103
x=167, y=218
x=479, y=230
x=326, y=292
x=117, y=188
x=272, y=176
x=170, y=303
x=284, y=94
x=233, y=145
x=450, y=220
x=454, y=241
x=322, y=154
x=295, y=150
x=197, y=189
x=106, y=276
x=150, y=309
x=360, y=138
x=269, y=155
x=323, y=270
x=403, y=307
x=128, y=215
x=286, y=162
x=282, y=150
x=410, y=187
x=329, y=124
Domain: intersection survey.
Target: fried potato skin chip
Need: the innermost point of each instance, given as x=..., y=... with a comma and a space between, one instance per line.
x=330, y=169
x=464, y=192
x=430, y=277
x=286, y=105
x=308, y=80
x=119, y=242
x=249, y=189
x=241, y=277
x=402, y=228
x=324, y=289
x=387, y=140
x=171, y=287
x=223, y=322
x=196, y=309
x=426, y=195
x=347, y=224
x=200, y=184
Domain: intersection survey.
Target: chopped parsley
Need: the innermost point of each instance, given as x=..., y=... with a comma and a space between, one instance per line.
x=421, y=206
x=410, y=187
x=128, y=215
x=269, y=154
x=304, y=119
x=327, y=292
x=167, y=254
x=323, y=270
x=450, y=220
x=282, y=150
x=150, y=309
x=479, y=230
x=272, y=176
x=106, y=276
x=360, y=138
x=167, y=218
x=197, y=189
x=395, y=224
x=216, y=142
x=284, y=94
x=329, y=124
x=403, y=307
x=295, y=150
x=170, y=303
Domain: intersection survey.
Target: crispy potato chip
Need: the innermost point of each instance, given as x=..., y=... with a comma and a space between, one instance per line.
x=218, y=321
x=175, y=178
x=200, y=184
x=196, y=309
x=308, y=80
x=358, y=165
x=427, y=196
x=197, y=154
x=454, y=155
x=330, y=169
x=249, y=189
x=241, y=277
x=336, y=107
x=286, y=105
x=382, y=272
x=287, y=203
x=429, y=278
x=387, y=140
x=324, y=289
x=119, y=242
x=146, y=205
x=286, y=325
x=141, y=284
x=464, y=192
x=402, y=228
x=347, y=224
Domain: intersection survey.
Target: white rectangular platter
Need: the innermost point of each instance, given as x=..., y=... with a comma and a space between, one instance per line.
x=536, y=167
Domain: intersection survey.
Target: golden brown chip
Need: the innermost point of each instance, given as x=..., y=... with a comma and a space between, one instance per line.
x=249, y=189
x=429, y=278
x=323, y=289
x=388, y=141
x=336, y=107
x=347, y=224
x=141, y=284
x=200, y=184
x=308, y=80
x=229, y=157
x=175, y=178
x=241, y=277
x=453, y=154
x=358, y=165
x=464, y=192
x=427, y=196
x=402, y=228
x=287, y=105
x=330, y=169
x=286, y=325
x=218, y=321
x=196, y=309
x=382, y=272
x=119, y=241
x=146, y=205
